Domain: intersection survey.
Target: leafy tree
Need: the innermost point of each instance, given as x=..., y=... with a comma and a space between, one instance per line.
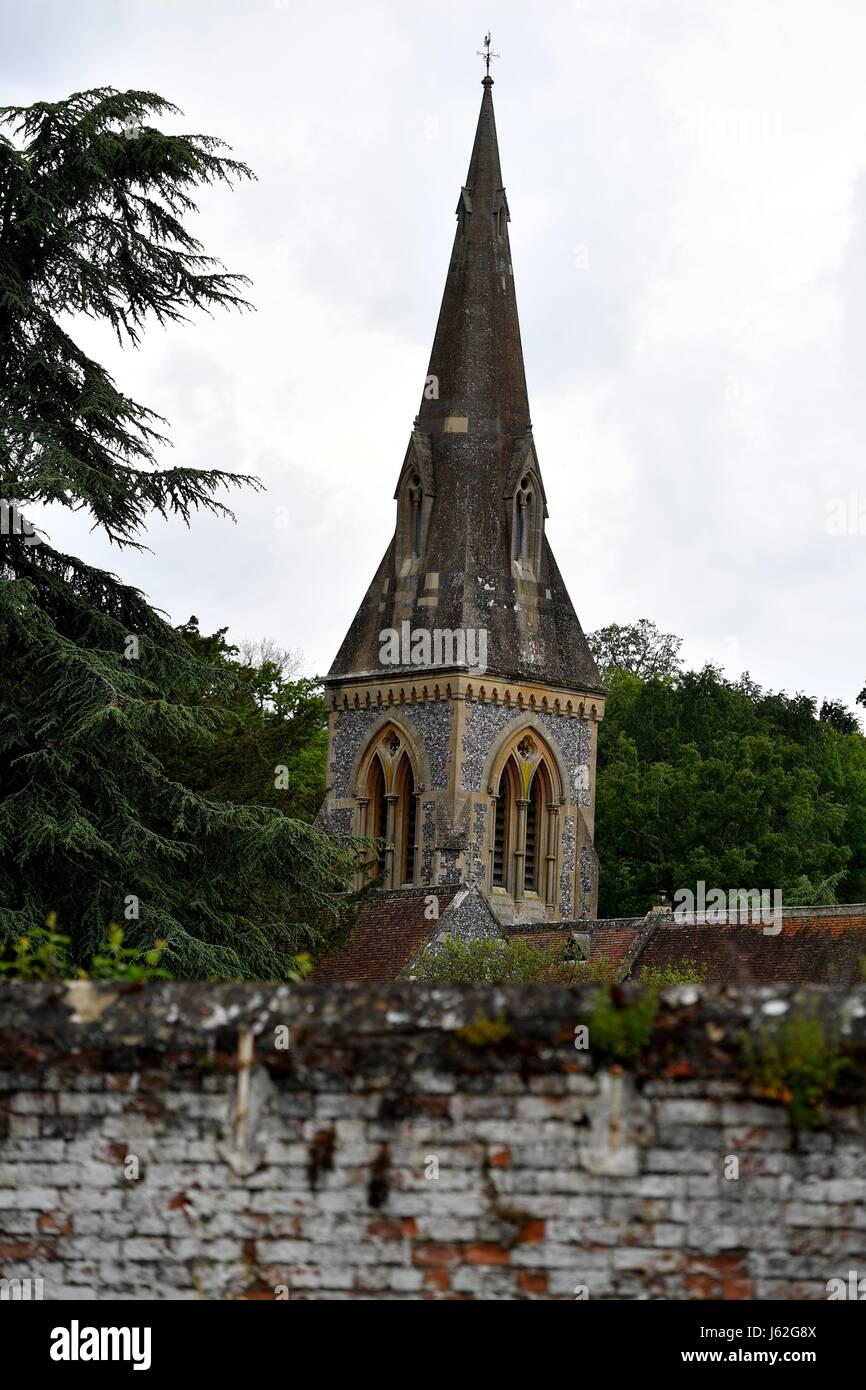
x=636, y=647
x=95, y=684
x=716, y=780
x=271, y=744
x=258, y=652
x=835, y=713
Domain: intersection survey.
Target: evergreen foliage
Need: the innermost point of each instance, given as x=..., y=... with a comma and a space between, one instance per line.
x=96, y=687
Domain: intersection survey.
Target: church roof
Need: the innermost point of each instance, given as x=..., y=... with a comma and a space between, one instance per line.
x=392, y=927
x=610, y=940
x=470, y=446
x=815, y=945
x=477, y=356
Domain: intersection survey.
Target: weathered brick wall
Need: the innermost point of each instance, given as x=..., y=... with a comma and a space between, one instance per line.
x=310, y=1169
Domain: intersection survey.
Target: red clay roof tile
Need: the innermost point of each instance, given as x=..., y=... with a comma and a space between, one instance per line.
x=389, y=930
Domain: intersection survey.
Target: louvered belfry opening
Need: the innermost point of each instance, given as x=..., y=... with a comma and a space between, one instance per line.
x=532, y=823
x=499, y=839
x=405, y=820
x=379, y=809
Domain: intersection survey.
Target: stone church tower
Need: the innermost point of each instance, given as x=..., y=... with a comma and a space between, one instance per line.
x=464, y=701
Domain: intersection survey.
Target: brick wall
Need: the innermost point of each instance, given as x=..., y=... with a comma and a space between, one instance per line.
x=159, y=1142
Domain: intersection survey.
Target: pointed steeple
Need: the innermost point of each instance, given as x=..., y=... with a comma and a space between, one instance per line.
x=464, y=702
x=477, y=357
x=469, y=552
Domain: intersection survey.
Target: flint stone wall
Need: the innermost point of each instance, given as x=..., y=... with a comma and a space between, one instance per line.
x=157, y=1142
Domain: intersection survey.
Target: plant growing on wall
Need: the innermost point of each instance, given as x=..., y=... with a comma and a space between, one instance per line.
x=797, y=1062
x=620, y=1029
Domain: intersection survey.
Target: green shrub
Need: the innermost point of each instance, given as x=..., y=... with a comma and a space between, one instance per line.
x=621, y=1031
x=496, y=962
x=44, y=954
x=797, y=1062
x=686, y=972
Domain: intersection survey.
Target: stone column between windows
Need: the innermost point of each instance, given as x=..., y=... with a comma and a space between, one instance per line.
x=550, y=858
x=390, y=830
x=520, y=851
x=362, y=874
x=415, y=850
x=492, y=852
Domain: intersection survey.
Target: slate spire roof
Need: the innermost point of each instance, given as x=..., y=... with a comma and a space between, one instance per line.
x=471, y=445
x=477, y=355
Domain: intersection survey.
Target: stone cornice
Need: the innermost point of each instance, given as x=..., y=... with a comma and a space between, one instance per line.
x=431, y=687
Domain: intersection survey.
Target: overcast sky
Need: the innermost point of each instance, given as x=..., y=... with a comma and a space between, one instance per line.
x=687, y=186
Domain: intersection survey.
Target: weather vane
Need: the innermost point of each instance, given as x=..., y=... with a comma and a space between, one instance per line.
x=487, y=55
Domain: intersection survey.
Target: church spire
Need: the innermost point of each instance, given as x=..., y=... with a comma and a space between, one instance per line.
x=464, y=699
x=476, y=366
x=469, y=553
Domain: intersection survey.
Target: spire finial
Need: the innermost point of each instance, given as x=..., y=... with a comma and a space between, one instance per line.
x=487, y=55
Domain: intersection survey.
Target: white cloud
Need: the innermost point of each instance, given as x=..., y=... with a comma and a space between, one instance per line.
x=696, y=388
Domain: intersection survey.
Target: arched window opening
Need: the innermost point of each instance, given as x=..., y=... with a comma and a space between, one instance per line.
x=537, y=831
x=533, y=822
x=416, y=498
x=405, y=818
x=523, y=519
x=377, y=815
x=503, y=828
x=388, y=807
x=499, y=839
x=524, y=847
